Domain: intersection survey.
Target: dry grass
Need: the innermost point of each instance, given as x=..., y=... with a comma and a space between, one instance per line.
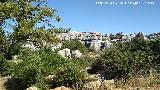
x=2, y=87
x=151, y=82
x=138, y=82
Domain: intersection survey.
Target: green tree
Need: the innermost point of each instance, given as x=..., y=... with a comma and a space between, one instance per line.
x=25, y=18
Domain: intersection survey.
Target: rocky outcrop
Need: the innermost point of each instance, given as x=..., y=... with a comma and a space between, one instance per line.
x=96, y=45
x=76, y=54
x=80, y=36
x=30, y=45
x=100, y=45
x=65, y=53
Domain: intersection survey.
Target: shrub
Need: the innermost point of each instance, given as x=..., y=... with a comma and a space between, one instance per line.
x=27, y=71
x=68, y=76
x=120, y=60
x=37, y=65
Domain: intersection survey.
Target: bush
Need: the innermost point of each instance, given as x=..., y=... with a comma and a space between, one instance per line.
x=37, y=65
x=121, y=60
x=68, y=76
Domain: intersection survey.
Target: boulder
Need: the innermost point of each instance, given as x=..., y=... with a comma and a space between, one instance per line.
x=108, y=82
x=66, y=53
x=76, y=54
x=32, y=88
x=15, y=57
x=96, y=45
x=108, y=44
x=2, y=87
x=8, y=83
x=61, y=88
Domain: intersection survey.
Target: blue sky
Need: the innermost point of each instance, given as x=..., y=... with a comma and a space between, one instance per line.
x=86, y=15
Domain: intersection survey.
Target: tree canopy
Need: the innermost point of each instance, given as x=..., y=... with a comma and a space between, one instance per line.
x=27, y=19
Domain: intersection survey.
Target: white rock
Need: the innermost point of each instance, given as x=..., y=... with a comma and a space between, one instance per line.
x=29, y=45
x=32, y=88
x=50, y=78
x=76, y=54
x=96, y=45
x=15, y=57
x=108, y=44
x=108, y=82
x=66, y=53
x=61, y=88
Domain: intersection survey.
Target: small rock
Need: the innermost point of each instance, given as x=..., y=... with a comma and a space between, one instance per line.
x=61, y=88
x=108, y=82
x=76, y=54
x=50, y=78
x=65, y=53
x=93, y=85
x=32, y=88
x=15, y=57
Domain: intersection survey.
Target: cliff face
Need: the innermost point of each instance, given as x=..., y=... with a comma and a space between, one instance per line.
x=83, y=36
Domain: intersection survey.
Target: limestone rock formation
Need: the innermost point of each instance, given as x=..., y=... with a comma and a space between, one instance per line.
x=66, y=53
x=29, y=45
x=76, y=54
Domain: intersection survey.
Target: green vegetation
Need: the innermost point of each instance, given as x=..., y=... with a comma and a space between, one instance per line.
x=25, y=17
x=38, y=65
x=74, y=45
x=33, y=67
x=137, y=57
x=2, y=64
x=122, y=60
